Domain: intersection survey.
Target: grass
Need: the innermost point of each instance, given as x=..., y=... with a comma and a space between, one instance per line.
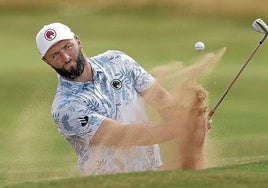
x=246, y=175
x=34, y=154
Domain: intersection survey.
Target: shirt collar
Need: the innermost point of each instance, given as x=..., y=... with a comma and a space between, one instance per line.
x=77, y=87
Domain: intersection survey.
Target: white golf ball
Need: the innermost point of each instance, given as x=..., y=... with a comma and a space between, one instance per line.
x=199, y=46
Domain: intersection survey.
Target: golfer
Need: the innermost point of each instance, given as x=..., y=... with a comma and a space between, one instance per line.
x=99, y=109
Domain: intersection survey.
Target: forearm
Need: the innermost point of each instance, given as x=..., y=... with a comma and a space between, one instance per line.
x=114, y=133
x=141, y=135
x=162, y=101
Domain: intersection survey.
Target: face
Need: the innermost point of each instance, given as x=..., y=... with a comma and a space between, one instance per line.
x=66, y=58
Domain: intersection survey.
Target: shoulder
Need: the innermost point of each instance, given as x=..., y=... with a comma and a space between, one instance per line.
x=112, y=56
x=113, y=60
x=112, y=53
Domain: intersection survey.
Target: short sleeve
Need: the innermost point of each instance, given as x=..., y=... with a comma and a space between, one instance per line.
x=142, y=79
x=73, y=118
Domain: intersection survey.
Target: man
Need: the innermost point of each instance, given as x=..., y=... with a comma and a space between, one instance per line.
x=98, y=106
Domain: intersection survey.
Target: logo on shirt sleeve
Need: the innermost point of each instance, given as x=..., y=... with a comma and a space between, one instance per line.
x=116, y=84
x=83, y=120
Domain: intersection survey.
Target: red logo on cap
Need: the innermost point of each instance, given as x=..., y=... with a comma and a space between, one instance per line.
x=50, y=34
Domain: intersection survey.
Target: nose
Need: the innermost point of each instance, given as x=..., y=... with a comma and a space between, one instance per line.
x=65, y=57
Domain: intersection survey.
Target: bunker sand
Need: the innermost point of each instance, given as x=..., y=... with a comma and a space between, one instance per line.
x=186, y=152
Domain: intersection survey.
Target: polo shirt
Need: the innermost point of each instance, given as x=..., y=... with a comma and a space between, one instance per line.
x=79, y=108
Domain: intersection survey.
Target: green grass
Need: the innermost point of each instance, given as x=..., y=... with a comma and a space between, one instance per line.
x=33, y=151
x=246, y=175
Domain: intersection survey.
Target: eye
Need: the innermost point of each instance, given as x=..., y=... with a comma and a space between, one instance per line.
x=55, y=55
x=68, y=46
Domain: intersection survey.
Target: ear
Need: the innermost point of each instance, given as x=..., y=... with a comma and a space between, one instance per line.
x=78, y=41
x=46, y=61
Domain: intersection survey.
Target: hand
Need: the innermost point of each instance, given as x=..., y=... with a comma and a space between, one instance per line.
x=209, y=124
x=191, y=143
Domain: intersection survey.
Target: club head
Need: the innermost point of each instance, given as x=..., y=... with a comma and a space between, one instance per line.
x=260, y=26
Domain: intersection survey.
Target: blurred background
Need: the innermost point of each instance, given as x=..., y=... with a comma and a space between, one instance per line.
x=153, y=32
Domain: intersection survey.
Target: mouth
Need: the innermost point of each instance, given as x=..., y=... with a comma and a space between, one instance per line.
x=70, y=63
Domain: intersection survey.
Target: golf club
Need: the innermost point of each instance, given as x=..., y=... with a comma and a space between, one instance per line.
x=261, y=27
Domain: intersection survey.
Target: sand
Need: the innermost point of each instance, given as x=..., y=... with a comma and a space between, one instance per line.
x=184, y=84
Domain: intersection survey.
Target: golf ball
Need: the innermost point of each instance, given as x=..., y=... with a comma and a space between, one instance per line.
x=199, y=46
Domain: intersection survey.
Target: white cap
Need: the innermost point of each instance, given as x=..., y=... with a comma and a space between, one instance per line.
x=50, y=35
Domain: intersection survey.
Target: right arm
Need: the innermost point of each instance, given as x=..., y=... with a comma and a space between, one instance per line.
x=176, y=121
x=112, y=132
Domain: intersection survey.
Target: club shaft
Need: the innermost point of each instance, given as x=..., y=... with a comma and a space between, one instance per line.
x=212, y=112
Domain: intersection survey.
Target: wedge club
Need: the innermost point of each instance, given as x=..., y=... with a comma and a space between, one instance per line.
x=261, y=27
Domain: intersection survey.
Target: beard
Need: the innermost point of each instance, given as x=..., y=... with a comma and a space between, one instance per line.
x=74, y=72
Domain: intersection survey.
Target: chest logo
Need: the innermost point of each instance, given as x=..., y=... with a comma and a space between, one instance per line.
x=116, y=84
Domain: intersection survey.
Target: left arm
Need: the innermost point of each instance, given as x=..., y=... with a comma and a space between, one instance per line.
x=161, y=100
x=165, y=104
